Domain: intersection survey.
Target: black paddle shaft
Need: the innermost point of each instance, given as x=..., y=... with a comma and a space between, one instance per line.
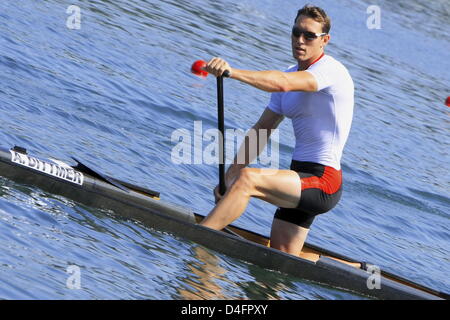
x=221, y=126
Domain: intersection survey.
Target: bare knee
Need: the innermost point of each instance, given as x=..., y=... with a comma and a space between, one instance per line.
x=245, y=182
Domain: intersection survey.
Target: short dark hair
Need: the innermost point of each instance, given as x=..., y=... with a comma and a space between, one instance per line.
x=316, y=13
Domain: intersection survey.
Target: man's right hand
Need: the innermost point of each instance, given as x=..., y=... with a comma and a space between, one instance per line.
x=217, y=195
x=217, y=66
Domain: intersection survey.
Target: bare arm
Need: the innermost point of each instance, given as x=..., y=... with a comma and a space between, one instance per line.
x=271, y=81
x=277, y=81
x=269, y=121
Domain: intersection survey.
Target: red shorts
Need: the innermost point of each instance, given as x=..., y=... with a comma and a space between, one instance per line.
x=321, y=191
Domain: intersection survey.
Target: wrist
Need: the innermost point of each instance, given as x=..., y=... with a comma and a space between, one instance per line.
x=234, y=73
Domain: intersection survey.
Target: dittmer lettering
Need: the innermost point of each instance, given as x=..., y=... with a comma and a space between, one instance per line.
x=64, y=173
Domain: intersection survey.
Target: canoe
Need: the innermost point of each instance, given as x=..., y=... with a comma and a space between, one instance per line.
x=92, y=188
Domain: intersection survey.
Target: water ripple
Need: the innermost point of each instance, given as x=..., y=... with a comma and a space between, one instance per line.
x=113, y=92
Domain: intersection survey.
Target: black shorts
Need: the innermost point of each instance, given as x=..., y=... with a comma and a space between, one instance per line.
x=321, y=191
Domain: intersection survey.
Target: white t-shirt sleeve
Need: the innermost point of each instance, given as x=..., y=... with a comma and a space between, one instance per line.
x=326, y=74
x=275, y=102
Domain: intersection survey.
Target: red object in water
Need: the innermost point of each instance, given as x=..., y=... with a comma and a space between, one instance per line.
x=197, y=68
x=447, y=102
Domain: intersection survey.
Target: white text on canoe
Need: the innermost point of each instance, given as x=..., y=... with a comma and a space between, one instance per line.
x=67, y=174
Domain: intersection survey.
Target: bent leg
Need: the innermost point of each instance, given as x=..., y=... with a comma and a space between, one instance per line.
x=279, y=187
x=287, y=237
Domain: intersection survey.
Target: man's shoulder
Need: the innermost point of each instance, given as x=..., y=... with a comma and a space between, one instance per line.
x=332, y=74
x=329, y=64
x=328, y=61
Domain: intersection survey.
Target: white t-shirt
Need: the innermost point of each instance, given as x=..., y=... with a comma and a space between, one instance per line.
x=321, y=119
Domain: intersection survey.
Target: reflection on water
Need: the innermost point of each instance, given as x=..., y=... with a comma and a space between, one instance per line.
x=204, y=273
x=207, y=279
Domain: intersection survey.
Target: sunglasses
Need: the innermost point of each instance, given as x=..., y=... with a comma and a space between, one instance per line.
x=297, y=32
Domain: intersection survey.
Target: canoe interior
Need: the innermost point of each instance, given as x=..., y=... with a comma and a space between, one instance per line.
x=307, y=253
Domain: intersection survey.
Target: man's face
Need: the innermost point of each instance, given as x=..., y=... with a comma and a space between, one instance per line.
x=303, y=48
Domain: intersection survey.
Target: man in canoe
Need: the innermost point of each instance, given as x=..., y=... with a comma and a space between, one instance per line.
x=317, y=94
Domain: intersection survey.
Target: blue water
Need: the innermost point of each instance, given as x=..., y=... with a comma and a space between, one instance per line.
x=113, y=92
